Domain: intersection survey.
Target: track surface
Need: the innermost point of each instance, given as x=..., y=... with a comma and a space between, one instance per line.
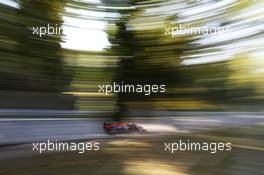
x=28, y=130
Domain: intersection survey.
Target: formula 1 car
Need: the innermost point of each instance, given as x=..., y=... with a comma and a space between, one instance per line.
x=122, y=127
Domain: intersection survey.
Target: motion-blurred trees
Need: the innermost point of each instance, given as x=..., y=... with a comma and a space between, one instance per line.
x=149, y=57
x=145, y=58
x=34, y=64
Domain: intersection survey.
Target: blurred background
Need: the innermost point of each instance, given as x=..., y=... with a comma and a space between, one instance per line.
x=103, y=41
x=212, y=81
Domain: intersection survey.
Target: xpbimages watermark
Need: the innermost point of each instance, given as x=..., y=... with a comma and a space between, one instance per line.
x=80, y=147
x=194, y=30
x=146, y=89
x=46, y=30
x=187, y=145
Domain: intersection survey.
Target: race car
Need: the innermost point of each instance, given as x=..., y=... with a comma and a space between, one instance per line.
x=122, y=127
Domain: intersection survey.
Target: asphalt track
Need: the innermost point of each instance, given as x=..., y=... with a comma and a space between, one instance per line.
x=27, y=130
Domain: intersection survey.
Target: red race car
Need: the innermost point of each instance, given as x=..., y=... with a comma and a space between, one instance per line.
x=122, y=127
